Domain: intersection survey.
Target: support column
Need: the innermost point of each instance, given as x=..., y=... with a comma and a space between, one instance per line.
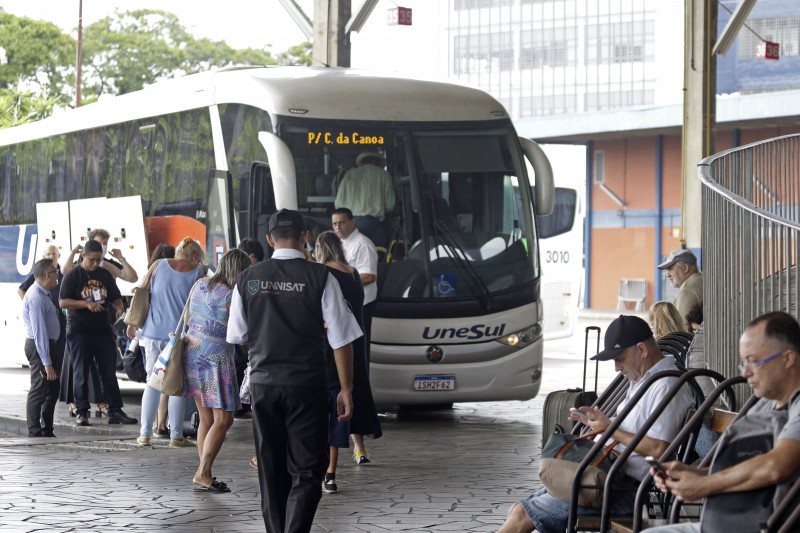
x=331, y=42
x=699, y=110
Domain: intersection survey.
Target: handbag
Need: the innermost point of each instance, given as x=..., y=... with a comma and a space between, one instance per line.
x=140, y=307
x=167, y=374
x=561, y=457
x=140, y=304
x=244, y=390
x=133, y=363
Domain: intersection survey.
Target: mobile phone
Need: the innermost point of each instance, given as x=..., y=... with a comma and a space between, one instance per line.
x=577, y=412
x=655, y=463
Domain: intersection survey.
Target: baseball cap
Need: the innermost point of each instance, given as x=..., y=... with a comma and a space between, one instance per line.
x=621, y=334
x=287, y=218
x=681, y=255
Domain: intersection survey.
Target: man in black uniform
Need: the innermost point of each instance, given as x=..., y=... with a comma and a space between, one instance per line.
x=94, y=303
x=285, y=307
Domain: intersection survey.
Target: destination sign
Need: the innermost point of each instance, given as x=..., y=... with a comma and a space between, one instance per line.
x=343, y=138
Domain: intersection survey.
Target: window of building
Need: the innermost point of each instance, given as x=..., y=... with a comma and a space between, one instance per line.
x=617, y=99
x=784, y=31
x=484, y=52
x=550, y=47
x=620, y=42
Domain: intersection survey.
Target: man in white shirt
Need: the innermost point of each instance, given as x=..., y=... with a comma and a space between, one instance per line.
x=630, y=344
x=361, y=254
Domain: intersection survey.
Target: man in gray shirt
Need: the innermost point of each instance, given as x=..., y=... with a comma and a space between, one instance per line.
x=770, y=352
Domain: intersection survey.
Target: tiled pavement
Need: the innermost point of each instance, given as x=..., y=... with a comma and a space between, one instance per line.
x=454, y=470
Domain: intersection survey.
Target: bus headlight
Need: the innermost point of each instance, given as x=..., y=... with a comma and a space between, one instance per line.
x=523, y=337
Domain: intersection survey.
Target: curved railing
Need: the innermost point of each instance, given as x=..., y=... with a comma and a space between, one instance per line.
x=751, y=232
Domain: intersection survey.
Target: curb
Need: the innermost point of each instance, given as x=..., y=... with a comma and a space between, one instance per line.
x=19, y=426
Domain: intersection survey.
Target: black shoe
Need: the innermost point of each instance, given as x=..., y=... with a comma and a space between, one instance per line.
x=82, y=419
x=46, y=433
x=118, y=417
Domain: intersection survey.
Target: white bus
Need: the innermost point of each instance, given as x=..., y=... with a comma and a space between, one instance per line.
x=213, y=155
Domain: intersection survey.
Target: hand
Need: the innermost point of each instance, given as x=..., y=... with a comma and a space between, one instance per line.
x=118, y=311
x=94, y=307
x=50, y=373
x=78, y=249
x=131, y=332
x=116, y=253
x=344, y=405
x=686, y=483
x=595, y=418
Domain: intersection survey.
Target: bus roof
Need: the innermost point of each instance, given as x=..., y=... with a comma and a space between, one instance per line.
x=313, y=93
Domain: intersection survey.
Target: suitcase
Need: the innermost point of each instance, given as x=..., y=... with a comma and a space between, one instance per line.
x=558, y=403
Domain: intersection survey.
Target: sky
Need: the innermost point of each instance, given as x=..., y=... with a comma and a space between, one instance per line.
x=260, y=23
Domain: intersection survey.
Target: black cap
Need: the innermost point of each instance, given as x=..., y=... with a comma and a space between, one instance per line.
x=287, y=218
x=621, y=334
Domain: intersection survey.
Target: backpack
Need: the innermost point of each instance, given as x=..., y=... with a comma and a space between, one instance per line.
x=745, y=511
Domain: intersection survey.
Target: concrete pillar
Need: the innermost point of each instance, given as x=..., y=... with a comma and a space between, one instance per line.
x=331, y=42
x=699, y=109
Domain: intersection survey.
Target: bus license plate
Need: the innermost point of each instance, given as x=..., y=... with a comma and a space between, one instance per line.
x=425, y=383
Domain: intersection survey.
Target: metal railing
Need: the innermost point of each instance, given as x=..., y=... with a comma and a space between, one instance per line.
x=751, y=230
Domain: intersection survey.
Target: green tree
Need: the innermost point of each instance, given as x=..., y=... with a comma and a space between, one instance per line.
x=125, y=52
x=18, y=107
x=34, y=51
x=297, y=55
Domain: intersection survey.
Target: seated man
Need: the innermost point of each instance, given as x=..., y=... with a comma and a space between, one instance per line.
x=770, y=352
x=630, y=344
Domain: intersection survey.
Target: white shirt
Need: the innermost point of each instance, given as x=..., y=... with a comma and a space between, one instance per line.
x=361, y=254
x=670, y=422
x=342, y=327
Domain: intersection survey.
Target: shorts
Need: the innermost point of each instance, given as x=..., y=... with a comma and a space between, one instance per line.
x=339, y=431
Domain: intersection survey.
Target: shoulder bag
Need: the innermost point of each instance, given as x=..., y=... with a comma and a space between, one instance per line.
x=133, y=364
x=167, y=375
x=561, y=456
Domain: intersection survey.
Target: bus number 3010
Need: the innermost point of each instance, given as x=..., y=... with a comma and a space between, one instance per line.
x=555, y=256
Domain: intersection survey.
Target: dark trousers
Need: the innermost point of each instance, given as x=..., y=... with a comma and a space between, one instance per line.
x=372, y=227
x=100, y=351
x=290, y=425
x=43, y=394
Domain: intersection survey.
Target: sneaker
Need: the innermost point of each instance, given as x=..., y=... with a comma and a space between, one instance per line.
x=361, y=456
x=329, y=485
x=161, y=433
x=181, y=443
x=143, y=441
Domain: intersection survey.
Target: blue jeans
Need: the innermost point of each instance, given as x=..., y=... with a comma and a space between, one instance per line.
x=100, y=351
x=372, y=228
x=550, y=515
x=151, y=397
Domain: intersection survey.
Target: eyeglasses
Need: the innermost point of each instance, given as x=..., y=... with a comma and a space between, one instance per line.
x=98, y=260
x=752, y=365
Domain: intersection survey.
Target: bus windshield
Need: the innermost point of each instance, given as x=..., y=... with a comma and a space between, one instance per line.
x=456, y=229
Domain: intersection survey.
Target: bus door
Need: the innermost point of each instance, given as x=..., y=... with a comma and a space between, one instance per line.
x=220, y=231
x=123, y=218
x=52, y=228
x=262, y=204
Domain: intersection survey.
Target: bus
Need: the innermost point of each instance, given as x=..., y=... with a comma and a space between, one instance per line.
x=213, y=155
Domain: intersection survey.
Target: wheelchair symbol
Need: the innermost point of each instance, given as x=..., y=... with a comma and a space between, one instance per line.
x=444, y=287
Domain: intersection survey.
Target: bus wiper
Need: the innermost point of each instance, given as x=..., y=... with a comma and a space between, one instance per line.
x=460, y=256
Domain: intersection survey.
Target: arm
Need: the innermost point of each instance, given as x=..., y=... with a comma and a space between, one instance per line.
x=72, y=304
x=366, y=279
x=69, y=262
x=598, y=422
x=128, y=273
x=21, y=293
x=760, y=471
x=344, y=367
x=237, y=321
x=118, y=307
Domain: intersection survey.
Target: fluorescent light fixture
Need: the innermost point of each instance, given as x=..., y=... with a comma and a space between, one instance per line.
x=728, y=35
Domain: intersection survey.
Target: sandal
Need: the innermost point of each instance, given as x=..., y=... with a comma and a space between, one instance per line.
x=102, y=409
x=254, y=462
x=143, y=441
x=216, y=486
x=181, y=443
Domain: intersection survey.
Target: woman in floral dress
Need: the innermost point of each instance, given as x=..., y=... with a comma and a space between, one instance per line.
x=209, y=370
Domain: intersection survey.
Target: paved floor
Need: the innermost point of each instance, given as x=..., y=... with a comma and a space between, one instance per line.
x=453, y=470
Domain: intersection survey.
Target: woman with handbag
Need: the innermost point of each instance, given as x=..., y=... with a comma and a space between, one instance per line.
x=209, y=368
x=169, y=282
